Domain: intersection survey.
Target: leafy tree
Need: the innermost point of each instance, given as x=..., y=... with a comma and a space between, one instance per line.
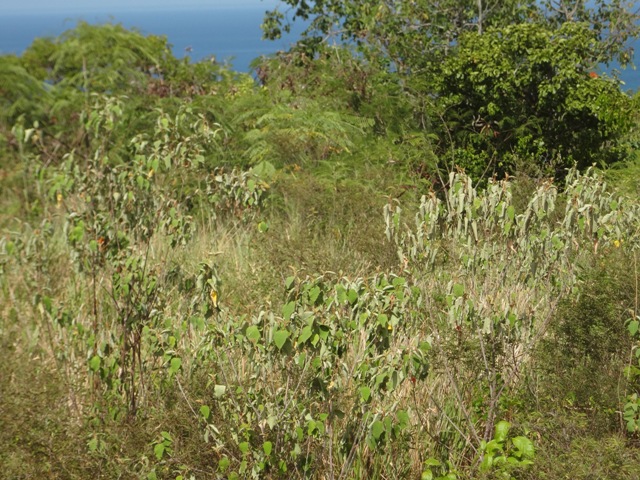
x=58, y=81
x=406, y=32
x=99, y=58
x=20, y=92
x=526, y=92
x=614, y=23
x=503, y=84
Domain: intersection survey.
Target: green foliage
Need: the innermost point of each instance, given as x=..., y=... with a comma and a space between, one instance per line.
x=553, y=113
x=500, y=262
x=506, y=454
x=170, y=314
x=98, y=59
x=20, y=92
x=506, y=86
x=613, y=22
x=631, y=412
x=401, y=32
x=412, y=34
x=301, y=131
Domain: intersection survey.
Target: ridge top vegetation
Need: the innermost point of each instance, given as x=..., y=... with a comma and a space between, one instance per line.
x=412, y=255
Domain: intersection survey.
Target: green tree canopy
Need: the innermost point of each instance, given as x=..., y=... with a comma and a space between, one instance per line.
x=501, y=83
x=526, y=92
x=409, y=32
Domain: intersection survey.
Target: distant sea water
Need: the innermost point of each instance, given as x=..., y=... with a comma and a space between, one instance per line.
x=227, y=33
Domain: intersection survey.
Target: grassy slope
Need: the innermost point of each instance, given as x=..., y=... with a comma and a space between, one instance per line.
x=324, y=222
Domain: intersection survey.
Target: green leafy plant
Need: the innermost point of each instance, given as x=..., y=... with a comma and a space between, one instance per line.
x=631, y=408
x=506, y=454
x=555, y=112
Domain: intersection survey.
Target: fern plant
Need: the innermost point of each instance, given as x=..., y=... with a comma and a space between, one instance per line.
x=300, y=131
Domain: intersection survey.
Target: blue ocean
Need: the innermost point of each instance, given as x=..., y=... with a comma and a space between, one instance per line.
x=230, y=34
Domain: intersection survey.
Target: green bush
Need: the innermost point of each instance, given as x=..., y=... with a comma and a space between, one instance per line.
x=525, y=96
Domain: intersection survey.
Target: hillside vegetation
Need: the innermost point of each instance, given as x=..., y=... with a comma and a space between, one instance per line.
x=365, y=262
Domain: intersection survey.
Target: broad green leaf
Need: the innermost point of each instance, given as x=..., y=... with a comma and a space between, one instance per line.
x=280, y=337
x=288, y=283
x=458, y=290
x=219, y=390
x=94, y=363
x=305, y=334
x=365, y=393
x=525, y=447
x=158, y=450
x=205, y=411
x=403, y=418
x=272, y=420
x=223, y=464
x=311, y=427
x=244, y=447
x=352, y=296
x=267, y=447
x=323, y=331
x=487, y=461
x=341, y=293
x=502, y=430
x=288, y=309
x=264, y=170
x=377, y=429
x=633, y=327
x=253, y=334
x=314, y=293
x=175, y=364
x=493, y=446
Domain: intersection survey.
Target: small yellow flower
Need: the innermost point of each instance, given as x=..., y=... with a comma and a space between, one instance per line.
x=389, y=327
x=59, y=198
x=214, y=298
x=616, y=243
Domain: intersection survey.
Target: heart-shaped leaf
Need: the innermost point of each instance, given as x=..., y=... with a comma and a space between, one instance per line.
x=365, y=393
x=253, y=334
x=280, y=337
x=205, y=411
x=377, y=429
x=305, y=334
x=288, y=310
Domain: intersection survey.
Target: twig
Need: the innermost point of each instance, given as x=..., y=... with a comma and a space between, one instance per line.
x=186, y=399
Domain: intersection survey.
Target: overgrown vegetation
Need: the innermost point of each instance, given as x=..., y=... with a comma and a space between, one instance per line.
x=347, y=267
